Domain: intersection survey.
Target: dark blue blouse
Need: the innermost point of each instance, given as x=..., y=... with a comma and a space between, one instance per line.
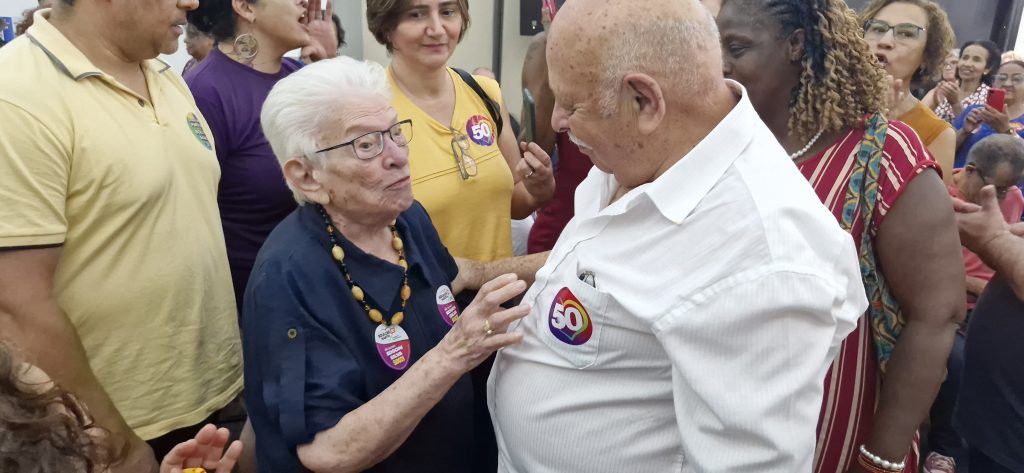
x=310, y=354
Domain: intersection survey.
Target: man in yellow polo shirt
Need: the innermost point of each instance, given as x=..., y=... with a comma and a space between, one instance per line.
x=113, y=273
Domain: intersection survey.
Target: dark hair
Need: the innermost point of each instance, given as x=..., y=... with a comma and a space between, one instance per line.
x=338, y=30
x=991, y=152
x=840, y=81
x=992, y=64
x=35, y=437
x=941, y=38
x=216, y=18
x=383, y=16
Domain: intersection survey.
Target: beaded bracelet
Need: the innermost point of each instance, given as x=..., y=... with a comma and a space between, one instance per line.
x=868, y=459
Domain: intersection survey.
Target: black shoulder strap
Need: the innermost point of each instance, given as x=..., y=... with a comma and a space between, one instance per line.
x=492, y=107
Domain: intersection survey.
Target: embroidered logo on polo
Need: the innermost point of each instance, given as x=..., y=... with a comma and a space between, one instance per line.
x=393, y=346
x=568, y=319
x=197, y=130
x=480, y=130
x=446, y=305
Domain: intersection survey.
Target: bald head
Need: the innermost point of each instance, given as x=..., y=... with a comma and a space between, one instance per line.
x=673, y=41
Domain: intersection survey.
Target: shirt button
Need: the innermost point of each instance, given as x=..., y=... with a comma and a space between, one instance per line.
x=292, y=333
x=142, y=103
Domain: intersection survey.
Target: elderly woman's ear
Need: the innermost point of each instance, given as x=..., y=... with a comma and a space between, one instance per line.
x=302, y=175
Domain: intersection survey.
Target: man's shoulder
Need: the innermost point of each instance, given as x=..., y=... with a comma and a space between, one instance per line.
x=29, y=74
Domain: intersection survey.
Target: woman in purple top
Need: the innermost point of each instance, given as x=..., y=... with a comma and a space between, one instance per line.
x=229, y=87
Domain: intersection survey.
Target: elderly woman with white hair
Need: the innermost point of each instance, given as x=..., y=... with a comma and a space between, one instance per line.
x=356, y=356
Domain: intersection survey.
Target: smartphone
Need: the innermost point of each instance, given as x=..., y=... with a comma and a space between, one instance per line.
x=552, y=8
x=997, y=99
x=529, y=124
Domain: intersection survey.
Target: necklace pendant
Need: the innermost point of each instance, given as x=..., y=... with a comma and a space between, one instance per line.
x=393, y=346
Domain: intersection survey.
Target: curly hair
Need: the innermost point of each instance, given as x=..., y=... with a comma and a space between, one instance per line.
x=941, y=38
x=42, y=430
x=383, y=16
x=841, y=80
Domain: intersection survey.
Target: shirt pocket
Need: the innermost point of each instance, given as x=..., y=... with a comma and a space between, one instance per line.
x=572, y=324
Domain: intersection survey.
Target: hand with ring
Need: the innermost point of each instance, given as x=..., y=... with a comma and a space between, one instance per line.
x=481, y=329
x=535, y=169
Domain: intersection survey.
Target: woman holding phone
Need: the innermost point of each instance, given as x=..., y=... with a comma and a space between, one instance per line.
x=974, y=70
x=979, y=121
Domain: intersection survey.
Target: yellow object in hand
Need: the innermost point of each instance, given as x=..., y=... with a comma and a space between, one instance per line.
x=194, y=470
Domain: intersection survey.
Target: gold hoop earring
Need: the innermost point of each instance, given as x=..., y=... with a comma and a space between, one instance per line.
x=245, y=47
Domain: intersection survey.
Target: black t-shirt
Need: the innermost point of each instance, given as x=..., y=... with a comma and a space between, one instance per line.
x=990, y=410
x=311, y=352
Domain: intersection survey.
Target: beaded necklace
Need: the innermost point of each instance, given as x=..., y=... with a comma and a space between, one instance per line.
x=339, y=258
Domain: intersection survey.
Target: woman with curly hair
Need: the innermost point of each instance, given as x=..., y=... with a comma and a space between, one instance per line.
x=911, y=39
x=44, y=429
x=815, y=83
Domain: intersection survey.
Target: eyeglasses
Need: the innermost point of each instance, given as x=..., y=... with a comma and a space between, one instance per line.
x=460, y=150
x=875, y=30
x=371, y=145
x=1016, y=79
x=1000, y=191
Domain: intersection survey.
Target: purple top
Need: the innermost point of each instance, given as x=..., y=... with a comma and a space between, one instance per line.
x=253, y=197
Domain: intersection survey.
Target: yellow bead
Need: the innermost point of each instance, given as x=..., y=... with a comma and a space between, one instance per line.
x=376, y=316
x=338, y=253
x=397, y=318
x=397, y=244
x=403, y=264
x=357, y=293
x=330, y=229
x=406, y=292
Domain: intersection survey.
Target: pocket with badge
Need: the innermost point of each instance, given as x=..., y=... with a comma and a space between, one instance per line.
x=572, y=327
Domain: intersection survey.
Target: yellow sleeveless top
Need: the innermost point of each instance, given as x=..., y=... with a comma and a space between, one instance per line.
x=472, y=216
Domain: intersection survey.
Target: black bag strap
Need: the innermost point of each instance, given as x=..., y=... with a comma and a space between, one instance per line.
x=492, y=107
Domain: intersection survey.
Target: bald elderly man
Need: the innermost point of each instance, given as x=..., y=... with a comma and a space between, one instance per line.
x=686, y=316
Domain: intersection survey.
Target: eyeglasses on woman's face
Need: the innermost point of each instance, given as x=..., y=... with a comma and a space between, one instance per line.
x=875, y=30
x=371, y=145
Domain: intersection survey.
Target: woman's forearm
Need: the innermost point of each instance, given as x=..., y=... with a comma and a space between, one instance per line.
x=913, y=377
x=371, y=433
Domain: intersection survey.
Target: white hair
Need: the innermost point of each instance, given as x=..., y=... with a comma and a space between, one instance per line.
x=684, y=51
x=299, y=105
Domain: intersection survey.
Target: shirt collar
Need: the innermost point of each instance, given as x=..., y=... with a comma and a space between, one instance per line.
x=678, y=191
x=379, y=279
x=65, y=55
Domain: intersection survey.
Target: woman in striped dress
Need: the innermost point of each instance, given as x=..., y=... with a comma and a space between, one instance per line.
x=813, y=81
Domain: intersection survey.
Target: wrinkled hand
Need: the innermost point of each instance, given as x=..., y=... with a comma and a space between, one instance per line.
x=203, y=451
x=468, y=343
x=999, y=121
x=535, y=172
x=323, y=39
x=138, y=459
x=979, y=225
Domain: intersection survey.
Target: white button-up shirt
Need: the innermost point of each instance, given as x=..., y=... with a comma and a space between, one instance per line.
x=685, y=327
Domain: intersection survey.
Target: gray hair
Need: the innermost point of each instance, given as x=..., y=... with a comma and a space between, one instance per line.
x=993, y=151
x=299, y=105
x=676, y=50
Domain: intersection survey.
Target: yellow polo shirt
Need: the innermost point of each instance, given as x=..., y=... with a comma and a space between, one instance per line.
x=128, y=186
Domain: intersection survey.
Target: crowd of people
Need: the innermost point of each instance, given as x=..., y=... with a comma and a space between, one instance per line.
x=760, y=236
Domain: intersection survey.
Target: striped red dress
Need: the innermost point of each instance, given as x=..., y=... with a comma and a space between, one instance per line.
x=852, y=383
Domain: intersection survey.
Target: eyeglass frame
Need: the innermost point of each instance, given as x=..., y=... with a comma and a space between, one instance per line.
x=1009, y=78
x=461, y=155
x=1000, y=193
x=391, y=136
x=892, y=28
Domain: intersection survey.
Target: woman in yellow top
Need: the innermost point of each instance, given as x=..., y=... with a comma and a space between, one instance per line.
x=472, y=178
x=911, y=39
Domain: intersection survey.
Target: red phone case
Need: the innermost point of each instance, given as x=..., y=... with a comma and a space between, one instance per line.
x=996, y=99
